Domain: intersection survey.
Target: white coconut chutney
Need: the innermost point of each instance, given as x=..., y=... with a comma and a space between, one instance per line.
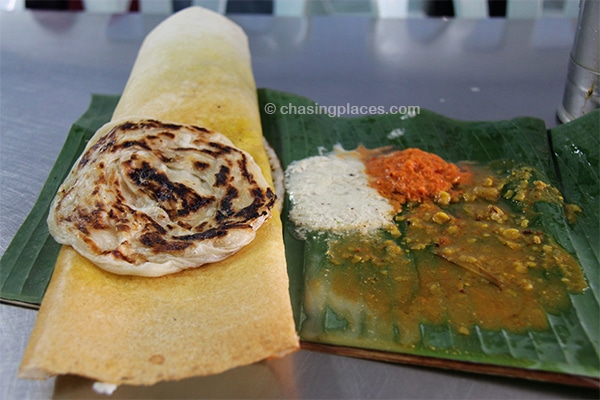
x=331, y=192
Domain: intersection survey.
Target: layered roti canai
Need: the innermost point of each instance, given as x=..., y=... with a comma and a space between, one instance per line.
x=152, y=198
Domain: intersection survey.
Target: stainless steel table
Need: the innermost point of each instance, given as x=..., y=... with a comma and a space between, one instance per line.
x=469, y=69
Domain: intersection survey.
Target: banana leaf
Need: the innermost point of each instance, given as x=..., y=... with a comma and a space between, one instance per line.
x=27, y=264
x=567, y=156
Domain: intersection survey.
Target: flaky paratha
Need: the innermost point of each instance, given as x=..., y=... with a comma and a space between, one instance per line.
x=151, y=198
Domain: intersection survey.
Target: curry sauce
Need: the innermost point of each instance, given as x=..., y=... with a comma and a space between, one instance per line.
x=471, y=254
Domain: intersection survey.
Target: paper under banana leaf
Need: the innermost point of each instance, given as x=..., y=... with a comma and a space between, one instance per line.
x=567, y=157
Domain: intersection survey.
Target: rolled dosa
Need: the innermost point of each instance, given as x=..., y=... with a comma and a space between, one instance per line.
x=194, y=68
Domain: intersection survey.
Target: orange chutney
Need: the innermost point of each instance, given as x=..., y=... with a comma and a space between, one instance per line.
x=413, y=175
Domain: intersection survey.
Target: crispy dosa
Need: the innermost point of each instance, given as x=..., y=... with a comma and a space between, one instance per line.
x=194, y=68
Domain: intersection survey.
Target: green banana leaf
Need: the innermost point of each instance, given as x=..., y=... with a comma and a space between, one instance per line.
x=567, y=156
x=27, y=264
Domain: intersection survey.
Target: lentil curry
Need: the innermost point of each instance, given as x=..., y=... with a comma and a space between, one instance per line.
x=467, y=251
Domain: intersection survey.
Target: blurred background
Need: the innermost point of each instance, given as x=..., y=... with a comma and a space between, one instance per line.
x=376, y=8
